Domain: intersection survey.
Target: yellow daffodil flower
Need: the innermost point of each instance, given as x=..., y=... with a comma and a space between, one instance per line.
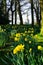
x=30, y=49
x=26, y=39
x=28, y=31
x=31, y=34
x=21, y=33
x=18, y=48
x=40, y=47
x=16, y=39
x=36, y=35
x=30, y=42
x=18, y=35
x=32, y=31
x=25, y=31
x=24, y=34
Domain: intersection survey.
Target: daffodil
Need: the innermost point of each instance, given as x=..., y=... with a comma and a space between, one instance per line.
x=18, y=48
x=30, y=42
x=18, y=34
x=25, y=31
x=40, y=47
x=24, y=34
x=32, y=31
x=16, y=39
x=26, y=39
x=36, y=35
x=31, y=34
x=21, y=33
x=28, y=31
x=1, y=30
x=30, y=49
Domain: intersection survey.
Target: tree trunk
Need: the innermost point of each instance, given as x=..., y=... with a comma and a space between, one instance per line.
x=38, y=14
x=20, y=15
x=15, y=11
x=32, y=13
x=11, y=10
x=4, y=6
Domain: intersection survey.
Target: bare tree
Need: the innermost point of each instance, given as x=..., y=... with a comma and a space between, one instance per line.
x=3, y=13
x=32, y=13
x=19, y=12
x=38, y=13
x=15, y=11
